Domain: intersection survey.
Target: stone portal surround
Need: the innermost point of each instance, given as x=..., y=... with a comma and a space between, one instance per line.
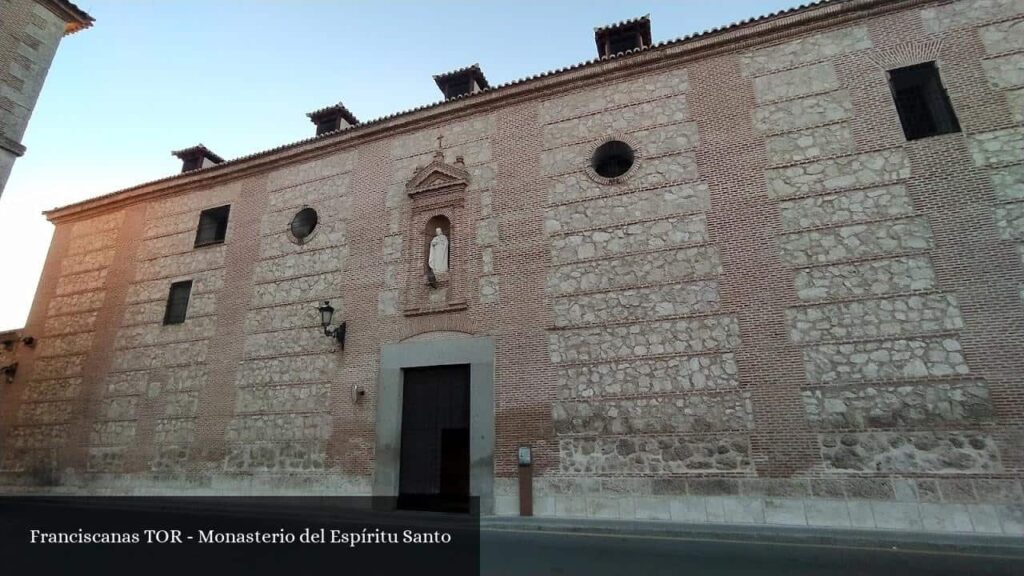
x=445, y=348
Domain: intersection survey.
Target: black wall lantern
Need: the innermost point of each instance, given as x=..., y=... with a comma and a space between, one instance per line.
x=326, y=315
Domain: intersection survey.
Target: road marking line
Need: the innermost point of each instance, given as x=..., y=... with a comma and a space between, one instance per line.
x=796, y=544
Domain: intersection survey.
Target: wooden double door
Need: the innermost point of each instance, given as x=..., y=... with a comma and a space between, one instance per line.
x=434, y=464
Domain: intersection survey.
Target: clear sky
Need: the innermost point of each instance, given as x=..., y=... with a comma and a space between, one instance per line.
x=239, y=76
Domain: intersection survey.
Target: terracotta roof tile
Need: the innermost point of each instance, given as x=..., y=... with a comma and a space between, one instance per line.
x=339, y=107
x=76, y=19
x=202, y=150
x=474, y=70
x=622, y=23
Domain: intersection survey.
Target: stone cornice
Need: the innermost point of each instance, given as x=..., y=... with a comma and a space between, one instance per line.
x=733, y=38
x=75, y=18
x=12, y=146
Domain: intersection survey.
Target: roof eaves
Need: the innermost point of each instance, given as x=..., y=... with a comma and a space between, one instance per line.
x=474, y=71
x=339, y=107
x=75, y=19
x=203, y=150
x=449, y=74
x=369, y=125
x=622, y=23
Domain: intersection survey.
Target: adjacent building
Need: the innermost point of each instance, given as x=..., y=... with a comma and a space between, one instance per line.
x=771, y=273
x=30, y=31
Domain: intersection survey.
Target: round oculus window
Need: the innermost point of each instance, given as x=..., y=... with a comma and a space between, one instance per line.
x=612, y=159
x=303, y=223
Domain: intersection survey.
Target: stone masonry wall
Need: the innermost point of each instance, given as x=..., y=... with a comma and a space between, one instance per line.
x=847, y=217
x=29, y=36
x=1001, y=152
x=44, y=419
x=909, y=429
x=157, y=373
x=281, y=415
x=637, y=336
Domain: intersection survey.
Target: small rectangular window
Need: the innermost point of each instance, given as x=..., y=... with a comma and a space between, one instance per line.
x=213, y=226
x=922, y=102
x=177, y=302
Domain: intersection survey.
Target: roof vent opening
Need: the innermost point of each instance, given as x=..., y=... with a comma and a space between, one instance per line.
x=332, y=118
x=197, y=157
x=622, y=36
x=461, y=82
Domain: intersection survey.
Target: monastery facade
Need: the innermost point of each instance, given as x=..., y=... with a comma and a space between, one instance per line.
x=771, y=273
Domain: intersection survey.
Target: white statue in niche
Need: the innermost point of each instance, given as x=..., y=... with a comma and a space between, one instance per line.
x=438, y=258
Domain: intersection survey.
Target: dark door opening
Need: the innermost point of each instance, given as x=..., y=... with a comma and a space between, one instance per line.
x=434, y=467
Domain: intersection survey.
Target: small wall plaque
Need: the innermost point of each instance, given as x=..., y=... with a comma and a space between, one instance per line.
x=525, y=456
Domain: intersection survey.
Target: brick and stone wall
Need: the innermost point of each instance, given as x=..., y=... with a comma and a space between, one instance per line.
x=282, y=419
x=646, y=379
x=47, y=407
x=783, y=313
x=157, y=372
x=29, y=36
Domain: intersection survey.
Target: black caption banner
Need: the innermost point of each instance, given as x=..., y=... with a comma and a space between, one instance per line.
x=254, y=535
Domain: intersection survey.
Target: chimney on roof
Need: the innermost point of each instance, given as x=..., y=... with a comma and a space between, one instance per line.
x=461, y=82
x=332, y=118
x=197, y=157
x=623, y=36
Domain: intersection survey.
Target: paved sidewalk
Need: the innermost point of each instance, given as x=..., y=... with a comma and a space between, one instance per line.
x=1007, y=546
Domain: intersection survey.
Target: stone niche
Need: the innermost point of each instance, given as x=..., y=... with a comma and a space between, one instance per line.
x=437, y=192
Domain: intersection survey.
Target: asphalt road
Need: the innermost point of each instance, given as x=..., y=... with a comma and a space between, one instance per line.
x=504, y=550
x=527, y=552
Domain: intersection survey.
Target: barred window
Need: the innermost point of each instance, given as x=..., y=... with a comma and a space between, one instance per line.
x=177, y=302
x=213, y=226
x=922, y=101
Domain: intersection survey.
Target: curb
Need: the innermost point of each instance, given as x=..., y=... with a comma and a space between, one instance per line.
x=996, y=545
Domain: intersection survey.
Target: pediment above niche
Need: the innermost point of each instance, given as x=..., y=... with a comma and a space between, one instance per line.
x=438, y=175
